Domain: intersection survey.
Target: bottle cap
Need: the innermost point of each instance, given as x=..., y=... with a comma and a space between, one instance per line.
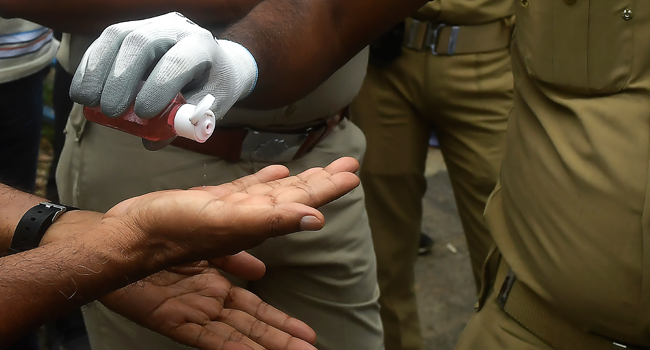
x=195, y=122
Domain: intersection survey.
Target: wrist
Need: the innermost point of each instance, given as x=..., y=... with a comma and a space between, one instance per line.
x=243, y=64
x=124, y=243
x=134, y=245
x=70, y=224
x=34, y=223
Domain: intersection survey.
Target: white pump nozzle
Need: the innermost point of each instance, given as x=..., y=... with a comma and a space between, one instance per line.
x=195, y=122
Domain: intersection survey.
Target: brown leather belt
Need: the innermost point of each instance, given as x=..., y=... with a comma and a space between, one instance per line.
x=234, y=144
x=444, y=39
x=534, y=314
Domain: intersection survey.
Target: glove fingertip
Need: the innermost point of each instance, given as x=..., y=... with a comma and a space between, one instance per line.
x=149, y=107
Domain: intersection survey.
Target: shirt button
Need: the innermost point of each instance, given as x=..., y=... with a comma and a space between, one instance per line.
x=627, y=14
x=523, y=3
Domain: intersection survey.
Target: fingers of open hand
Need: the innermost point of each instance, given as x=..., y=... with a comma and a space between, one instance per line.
x=253, y=223
x=348, y=164
x=313, y=187
x=213, y=336
x=242, y=265
x=247, y=302
x=261, y=332
x=269, y=173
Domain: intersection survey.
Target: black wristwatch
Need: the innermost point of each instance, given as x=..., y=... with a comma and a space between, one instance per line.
x=34, y=223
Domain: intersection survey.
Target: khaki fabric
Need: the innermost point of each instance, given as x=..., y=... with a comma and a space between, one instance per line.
x=465, y=12
x=466, y=99
x=490, y=328
x=571, y=215
x=326, y=278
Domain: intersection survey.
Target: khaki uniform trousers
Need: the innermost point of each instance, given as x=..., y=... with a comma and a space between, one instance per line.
x=325, y=278
x=466, y=99
x=491, y=328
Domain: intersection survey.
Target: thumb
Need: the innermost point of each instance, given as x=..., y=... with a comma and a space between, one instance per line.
x=259, y=224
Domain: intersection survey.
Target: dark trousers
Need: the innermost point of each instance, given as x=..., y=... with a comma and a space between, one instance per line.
x=62, y=105
x=21, y=111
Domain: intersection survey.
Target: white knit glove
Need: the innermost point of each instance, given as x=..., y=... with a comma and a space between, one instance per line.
x=181, y=56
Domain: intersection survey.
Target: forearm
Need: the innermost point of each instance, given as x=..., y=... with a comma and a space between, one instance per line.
x=14, y=204
x=81, y=258
x=92, y=16
x=300, y=43
x=43, y=283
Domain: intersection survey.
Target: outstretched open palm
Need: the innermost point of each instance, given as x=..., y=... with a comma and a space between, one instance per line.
x=196, y=306
x=214, y=221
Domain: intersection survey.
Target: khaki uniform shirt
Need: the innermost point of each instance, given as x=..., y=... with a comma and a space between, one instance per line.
x=572, y=215
x=465, y=12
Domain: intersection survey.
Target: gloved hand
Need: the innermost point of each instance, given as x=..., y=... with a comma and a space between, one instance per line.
x=181, y=56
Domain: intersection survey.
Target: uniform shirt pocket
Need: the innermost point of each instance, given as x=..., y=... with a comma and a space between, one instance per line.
x=582, y=46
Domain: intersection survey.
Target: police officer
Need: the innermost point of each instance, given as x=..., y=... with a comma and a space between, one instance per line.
x=453, y=75
x=329, y=277
x=570, y=215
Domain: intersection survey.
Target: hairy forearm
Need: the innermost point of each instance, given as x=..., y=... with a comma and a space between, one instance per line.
x=47, y=281
x=88, y=17
x=81, y=259
x=300, y=43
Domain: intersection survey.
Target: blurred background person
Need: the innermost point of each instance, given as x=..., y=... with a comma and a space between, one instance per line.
x=26, y=51
x=447, y=68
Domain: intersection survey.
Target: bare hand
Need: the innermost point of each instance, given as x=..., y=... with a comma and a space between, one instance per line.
x=216, y=221
x=196, y=306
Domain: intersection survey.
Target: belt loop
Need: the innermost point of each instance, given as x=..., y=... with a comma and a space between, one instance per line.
x=506, y=288
x=413, y=33
x=432, y=38
x=453, y=38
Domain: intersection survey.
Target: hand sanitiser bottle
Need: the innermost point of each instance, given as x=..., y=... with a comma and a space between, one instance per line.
x=178, y=119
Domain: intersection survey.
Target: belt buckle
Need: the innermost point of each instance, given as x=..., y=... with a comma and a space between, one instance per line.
x=269, y=147
x=433, y=37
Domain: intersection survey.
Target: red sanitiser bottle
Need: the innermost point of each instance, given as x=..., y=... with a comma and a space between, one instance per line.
x=178, y=119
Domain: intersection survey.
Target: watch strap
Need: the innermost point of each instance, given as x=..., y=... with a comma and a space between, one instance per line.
x=32, y=226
